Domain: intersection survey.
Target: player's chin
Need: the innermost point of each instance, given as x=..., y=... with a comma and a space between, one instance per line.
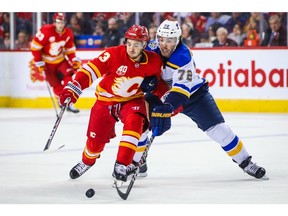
x=166, y=53
x=133, y=55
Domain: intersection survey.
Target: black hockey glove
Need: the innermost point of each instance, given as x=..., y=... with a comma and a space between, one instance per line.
x=149, y=83
x=153, y=101
x=161, y=119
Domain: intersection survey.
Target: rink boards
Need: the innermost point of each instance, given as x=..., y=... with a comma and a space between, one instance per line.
x=241, y=80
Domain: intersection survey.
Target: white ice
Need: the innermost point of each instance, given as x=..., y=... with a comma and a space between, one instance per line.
x=185, y=166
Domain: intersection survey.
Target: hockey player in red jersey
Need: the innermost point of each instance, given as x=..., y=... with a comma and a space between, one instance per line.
x=119, y=94
x=54, y=55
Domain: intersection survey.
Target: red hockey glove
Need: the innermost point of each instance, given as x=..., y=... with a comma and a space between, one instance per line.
x=161, y=119
x=37, y=71
x=76, y=63
x=72, y=91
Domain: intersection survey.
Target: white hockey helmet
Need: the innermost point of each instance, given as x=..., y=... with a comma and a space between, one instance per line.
x=170, y=29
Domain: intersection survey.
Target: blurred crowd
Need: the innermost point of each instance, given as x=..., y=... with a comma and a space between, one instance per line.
x=213, y=29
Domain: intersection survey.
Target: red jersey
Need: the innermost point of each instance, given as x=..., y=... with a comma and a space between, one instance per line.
x=51, y=46
x=122, y=76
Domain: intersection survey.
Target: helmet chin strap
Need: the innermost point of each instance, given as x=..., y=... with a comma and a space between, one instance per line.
x=177, y=42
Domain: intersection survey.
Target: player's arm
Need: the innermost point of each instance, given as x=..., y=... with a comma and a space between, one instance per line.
x=173, y=102
x=83, y=79
x=37, y=64
x=70, y=51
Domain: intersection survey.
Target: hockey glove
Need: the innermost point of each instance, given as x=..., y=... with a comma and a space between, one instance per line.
x=161, y=119
x=76, y=63
x=72, y=91
x=149, y=83
x=153, y=101
x=37, y=71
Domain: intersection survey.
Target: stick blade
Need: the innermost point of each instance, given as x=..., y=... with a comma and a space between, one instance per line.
x=49, y=150
x=124, y=195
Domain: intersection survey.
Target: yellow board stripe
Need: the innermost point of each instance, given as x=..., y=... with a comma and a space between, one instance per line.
x=225, y=105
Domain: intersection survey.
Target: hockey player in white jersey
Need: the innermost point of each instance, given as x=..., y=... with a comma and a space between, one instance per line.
x=189, y=94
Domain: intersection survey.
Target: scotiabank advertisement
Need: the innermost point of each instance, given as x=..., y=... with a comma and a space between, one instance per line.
x=260, y=74
x=245, y=74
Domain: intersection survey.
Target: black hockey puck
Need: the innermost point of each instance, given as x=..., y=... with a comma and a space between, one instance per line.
x=90, y=193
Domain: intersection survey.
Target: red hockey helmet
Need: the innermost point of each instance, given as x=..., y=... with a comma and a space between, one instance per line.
x=59, y=16
x=137, y=32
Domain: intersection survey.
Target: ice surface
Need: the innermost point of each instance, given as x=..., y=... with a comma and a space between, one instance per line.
x=185, y=166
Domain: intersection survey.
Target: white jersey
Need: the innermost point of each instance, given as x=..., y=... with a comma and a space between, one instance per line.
x=180, y=72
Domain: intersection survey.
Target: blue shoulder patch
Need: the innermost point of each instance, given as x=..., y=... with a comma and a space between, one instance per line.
x=152, y=45
x=181, y=56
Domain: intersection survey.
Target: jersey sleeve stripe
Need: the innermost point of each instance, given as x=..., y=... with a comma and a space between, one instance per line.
x=174, y=66
x=94, y=69
x=180, y=90
x=36, y=46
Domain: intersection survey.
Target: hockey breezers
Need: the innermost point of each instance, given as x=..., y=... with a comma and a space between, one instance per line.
x=124, y=195
x=58, y=120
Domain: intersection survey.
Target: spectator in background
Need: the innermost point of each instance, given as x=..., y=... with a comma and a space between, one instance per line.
x=1, y=18
x=85, y=22
x=112, y=35
x=236, y=18
x=257, y=17
x=182, y=16
x=99, y=29
x=6, y=22
x=276, y=35
x=222, y=39
x=210, y=36
x=125, y=21
x=167, y=15
x=102, y=17
x=152, y=30
x=199, y=22
x=74, y=25
x=216, y=17
x=146, y=19
x=24, y=22
x=237, y=34
x=1, y=31
x=188, y=36
x=22, y=42
x=5, y=43
x=252, y=37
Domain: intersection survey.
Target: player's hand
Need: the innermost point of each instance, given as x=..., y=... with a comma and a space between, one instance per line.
x=149, y=83
x=161, y=119
x=76, y=63
x=72, y=91
x=37, y=71
x=152, y=101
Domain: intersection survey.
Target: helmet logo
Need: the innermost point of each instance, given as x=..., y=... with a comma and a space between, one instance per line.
x=166, y=26
x=130, y=33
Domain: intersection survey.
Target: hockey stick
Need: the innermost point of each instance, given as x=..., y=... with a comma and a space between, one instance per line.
x=58, y=120
x=125, y=195
x=53, y=102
